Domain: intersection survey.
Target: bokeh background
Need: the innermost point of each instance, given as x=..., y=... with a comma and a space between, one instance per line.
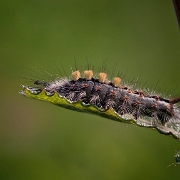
x=43, y=141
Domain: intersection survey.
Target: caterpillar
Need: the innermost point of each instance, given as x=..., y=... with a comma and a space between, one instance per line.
x=109, y=99
x=176, y=158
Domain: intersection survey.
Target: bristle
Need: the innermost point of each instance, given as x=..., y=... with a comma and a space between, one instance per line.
x=174, y=100
x=88, y=74
x=102, y=77
x=76, y=75
x=116, y=81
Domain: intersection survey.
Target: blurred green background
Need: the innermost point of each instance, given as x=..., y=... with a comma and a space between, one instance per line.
x=42, y=141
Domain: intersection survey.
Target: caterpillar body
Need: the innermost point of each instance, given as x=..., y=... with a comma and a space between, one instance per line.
x=109, y=99
x=177, y=159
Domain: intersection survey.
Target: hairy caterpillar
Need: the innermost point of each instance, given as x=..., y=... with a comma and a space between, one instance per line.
x=109, y=99
x=177, y=159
